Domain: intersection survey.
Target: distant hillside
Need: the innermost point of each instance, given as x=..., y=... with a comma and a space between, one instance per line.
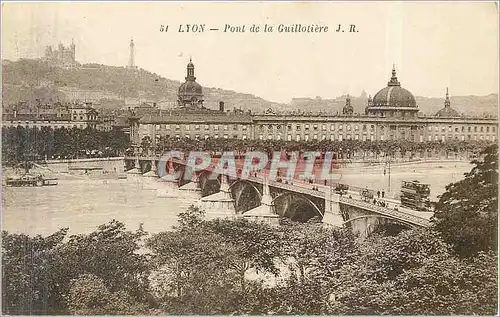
x=468, y=105
x=29, y=80
x=117, y=87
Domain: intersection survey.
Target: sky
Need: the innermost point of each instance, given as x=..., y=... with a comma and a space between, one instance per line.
x=433, y=45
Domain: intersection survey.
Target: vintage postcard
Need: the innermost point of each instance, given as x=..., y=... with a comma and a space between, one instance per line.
x=250, y=158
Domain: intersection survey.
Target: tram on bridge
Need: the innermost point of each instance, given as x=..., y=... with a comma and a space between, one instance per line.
x=415, y=195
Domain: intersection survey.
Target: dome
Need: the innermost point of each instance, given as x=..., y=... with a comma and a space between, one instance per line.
x=447, y=112
x=190, y=93
x=348, y=109
x=394, y=95
x=190, y=87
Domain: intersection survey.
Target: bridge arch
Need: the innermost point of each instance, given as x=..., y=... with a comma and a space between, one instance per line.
x=371, y=227
x=293, y=205
x=242, y=188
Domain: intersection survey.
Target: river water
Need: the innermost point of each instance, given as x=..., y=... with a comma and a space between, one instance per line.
x=82, y=203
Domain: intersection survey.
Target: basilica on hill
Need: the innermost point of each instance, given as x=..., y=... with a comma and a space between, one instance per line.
x=392, y=114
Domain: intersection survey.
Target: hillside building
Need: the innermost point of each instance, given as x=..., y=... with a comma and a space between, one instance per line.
x=62, y=56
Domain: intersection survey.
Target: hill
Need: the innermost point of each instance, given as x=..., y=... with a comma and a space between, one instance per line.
x=118, y=87
x=33, y=80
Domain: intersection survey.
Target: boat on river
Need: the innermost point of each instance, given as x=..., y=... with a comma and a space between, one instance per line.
x=30, y=180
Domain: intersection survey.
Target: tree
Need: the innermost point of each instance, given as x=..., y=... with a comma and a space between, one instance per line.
x=467, y=213
x=202, y=265
x=417, y=273
x=89, y=295
x=28, y=267
x=112, y=254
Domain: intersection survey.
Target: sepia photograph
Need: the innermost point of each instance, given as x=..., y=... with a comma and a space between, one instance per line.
x=250, y=158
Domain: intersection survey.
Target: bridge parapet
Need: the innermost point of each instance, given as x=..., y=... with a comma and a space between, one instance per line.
x=396, y=214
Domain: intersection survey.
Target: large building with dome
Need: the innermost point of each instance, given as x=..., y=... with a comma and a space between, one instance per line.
x=392, y=114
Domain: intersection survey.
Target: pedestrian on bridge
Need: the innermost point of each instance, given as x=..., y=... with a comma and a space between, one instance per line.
x=378, y=193
x=383, y=194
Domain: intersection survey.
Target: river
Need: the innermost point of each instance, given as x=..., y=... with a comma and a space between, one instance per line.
x=82, y=204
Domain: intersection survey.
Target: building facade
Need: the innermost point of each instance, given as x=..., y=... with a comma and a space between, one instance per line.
x=56, y=116
x=392, y=114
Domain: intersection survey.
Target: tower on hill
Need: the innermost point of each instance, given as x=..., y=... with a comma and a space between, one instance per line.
x=131, y=61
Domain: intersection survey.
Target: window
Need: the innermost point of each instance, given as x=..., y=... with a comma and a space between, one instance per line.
x=289, y=137
x=482, y=128
x=289, y=127
x=456, y=129
x=278, y=127
x=270, y=127
x=157, y=127
x=340, y=128
x=323, y=127
x=167, y=127
x=469, y=128
x=187, y=127
x=475, y=129
x=235, y=127
x=244, y=137
x=225, y=136
x=492, y=129
x=449, y=128
x=429, y=128
x=315, y=137
x=315, y=127
x=207, y=127
x=206, y=136
x=487, y=129
x=278, y=137
x=340, y=137
x=436, y=129
x=216, y=136
x=297, y=127
x=297, y=137
x=323, y=137
x=332, y=137
x=244, y=128
x=177, y=127
x=225, y=129
x=270, y=137
x=348, y=127
x=235, y=136
x=463, y=128
x=372, y=127
x=261, y=127
x=306, y=137
x=261, y=137
x=356, y=128
x=197, y=127
x=332, y=127
x=307, y=127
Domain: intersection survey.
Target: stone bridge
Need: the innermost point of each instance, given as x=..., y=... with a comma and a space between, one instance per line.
x=260, y=198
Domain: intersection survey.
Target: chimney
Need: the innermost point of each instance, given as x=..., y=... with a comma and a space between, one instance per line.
x=221, y=106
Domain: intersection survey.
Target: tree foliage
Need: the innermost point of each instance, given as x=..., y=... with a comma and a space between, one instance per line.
x=20, y=143
x=467, y=213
